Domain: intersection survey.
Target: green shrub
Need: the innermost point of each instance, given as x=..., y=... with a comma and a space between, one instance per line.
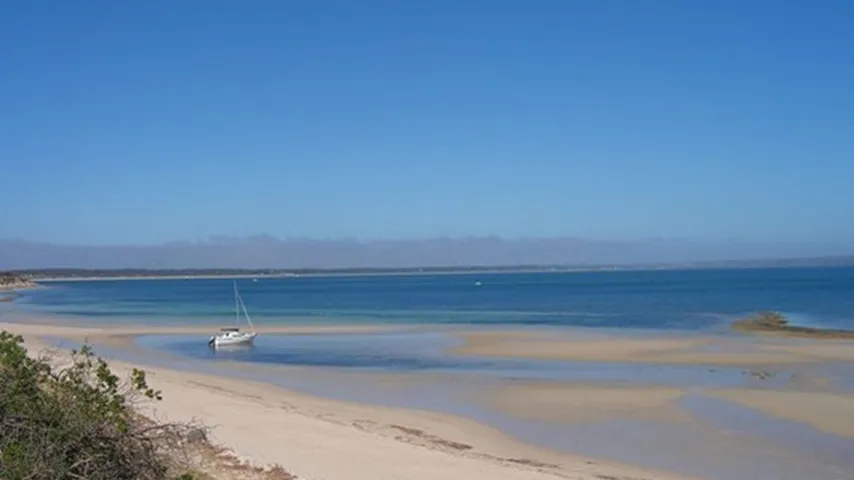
x=77, y=422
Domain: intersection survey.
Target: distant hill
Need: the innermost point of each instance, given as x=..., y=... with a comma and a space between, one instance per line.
x=263, y=253
x=830, y=261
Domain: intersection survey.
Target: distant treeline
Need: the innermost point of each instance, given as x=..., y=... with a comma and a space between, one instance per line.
x=225, y=272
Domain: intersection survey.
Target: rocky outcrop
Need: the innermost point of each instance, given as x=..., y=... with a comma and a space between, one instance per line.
x=15, y=282
x=776, y=324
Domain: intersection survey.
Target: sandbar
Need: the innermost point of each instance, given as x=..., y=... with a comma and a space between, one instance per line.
x=689, y=350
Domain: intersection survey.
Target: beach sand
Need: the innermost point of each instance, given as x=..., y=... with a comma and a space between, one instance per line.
x=316, y=438
x=699, y=350
x=560, y=402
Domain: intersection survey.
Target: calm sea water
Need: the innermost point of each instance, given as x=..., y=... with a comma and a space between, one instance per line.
x=688, y=300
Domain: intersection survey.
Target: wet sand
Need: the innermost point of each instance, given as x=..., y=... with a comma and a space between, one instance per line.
x=577, y=403
x=696, y=350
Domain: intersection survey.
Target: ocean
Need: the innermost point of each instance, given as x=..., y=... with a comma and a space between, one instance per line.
x=662, y=300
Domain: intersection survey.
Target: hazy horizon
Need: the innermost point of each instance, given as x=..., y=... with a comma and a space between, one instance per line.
x=265, y=251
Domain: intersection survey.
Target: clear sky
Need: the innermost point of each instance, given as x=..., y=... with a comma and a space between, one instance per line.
x=147, y=122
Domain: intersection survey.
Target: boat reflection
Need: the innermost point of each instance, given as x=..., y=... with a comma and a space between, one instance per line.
x=233, y=350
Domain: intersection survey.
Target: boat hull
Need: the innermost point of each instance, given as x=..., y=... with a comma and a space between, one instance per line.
x=223, y=341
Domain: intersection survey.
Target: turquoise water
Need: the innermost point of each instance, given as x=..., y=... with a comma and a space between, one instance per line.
x=687, y=300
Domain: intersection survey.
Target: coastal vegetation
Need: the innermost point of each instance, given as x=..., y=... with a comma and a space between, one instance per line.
x=771, y=322
x=80, y=422
x=75, y=422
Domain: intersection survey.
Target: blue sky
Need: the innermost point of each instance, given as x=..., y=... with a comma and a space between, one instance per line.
x=161, y=121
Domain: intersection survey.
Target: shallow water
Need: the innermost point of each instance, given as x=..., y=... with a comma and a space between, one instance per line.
x=733, y=417
x=692, y=448
x=425, y=352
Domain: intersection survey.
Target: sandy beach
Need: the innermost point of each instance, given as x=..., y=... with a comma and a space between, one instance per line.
x=315, y=438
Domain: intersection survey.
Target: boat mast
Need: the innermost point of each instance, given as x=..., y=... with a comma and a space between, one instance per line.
x=236, y=306
x=246, y=313
x=239, y=305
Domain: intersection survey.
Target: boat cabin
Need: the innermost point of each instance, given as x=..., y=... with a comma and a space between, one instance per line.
x=229, y=329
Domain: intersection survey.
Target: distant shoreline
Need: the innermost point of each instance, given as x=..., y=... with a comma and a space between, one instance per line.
x=39, y=276
x=276, y=275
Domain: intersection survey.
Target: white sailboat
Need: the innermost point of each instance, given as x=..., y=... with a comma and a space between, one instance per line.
x=230, y=336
